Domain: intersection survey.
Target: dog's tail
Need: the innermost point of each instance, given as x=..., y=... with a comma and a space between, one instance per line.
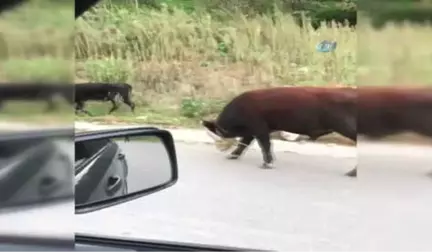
x=129, y=89
x=125, y=91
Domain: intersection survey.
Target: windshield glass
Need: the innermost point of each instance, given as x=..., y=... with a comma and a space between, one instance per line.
x=276, y=169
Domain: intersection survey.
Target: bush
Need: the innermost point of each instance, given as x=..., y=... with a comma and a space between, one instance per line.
x=39, y=69
x=401, y=13
x=109, y=70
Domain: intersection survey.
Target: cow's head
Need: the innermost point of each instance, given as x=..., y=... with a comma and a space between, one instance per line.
x=222, y=142
x=214, y=131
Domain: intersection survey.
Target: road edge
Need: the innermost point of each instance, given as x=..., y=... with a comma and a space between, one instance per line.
x=195, y=136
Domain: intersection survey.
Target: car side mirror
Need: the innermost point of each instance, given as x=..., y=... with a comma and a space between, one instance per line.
x=116, y=166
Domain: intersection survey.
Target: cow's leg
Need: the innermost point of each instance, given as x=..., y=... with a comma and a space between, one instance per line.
x=265, y=144
x=313, y=136
x=423, y=127
x=241, y=147
x=346, y=126
x=352, y=173
x=261, y=132
x=114, y=105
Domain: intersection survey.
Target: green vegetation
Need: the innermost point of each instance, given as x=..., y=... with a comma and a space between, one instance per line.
x=35, y=42
x=188, y=64
x=187, y=58
x=36, y=45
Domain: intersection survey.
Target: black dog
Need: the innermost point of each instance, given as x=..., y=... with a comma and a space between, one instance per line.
x=36, y=92
x=102, y=92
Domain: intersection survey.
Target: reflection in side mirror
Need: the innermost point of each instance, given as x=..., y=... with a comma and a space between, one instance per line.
x=36, y=168
x=115, y=166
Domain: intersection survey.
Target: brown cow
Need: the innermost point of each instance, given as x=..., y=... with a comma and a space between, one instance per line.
x=308, y=111
x=380, y=112
x=384, y=111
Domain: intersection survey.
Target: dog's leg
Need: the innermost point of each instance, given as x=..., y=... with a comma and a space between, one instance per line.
x=241, y=147
x=127, y=100
x=80, y=107
x=114, y=105
x=130, y=104
x=51, y=105
x=87, y=112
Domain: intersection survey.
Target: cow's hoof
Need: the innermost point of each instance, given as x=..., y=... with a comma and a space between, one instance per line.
x=267, y=166
x=232, y=157
x=352, y=173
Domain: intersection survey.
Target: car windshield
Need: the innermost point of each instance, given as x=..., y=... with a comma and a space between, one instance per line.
x=186, y=61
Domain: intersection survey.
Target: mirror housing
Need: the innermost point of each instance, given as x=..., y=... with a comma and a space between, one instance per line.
x=165, y=138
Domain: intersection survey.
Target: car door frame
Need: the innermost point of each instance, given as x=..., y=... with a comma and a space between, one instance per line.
x=150, y=245
x=39, y=136
x=19, y=242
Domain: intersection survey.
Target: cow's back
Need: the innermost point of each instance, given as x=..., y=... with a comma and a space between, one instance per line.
x=295, y=109
x=387, y=110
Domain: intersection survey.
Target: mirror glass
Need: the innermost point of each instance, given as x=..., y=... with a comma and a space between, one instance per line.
x=112, y=167
x=36, y=168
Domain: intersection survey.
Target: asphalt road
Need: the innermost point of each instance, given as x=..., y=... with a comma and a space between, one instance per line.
x=305, y=203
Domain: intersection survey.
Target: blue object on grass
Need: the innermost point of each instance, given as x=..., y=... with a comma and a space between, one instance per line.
x=326, y=46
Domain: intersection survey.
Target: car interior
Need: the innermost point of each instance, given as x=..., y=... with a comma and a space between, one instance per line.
x=86, y=242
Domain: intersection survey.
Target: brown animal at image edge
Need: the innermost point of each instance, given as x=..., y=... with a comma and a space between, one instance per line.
x=315, y=112
x=302, y=110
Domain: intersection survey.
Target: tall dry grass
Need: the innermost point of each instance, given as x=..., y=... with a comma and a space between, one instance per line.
x=168, y=56
x=36, y=43
x=194, y=63
x=395, y=55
